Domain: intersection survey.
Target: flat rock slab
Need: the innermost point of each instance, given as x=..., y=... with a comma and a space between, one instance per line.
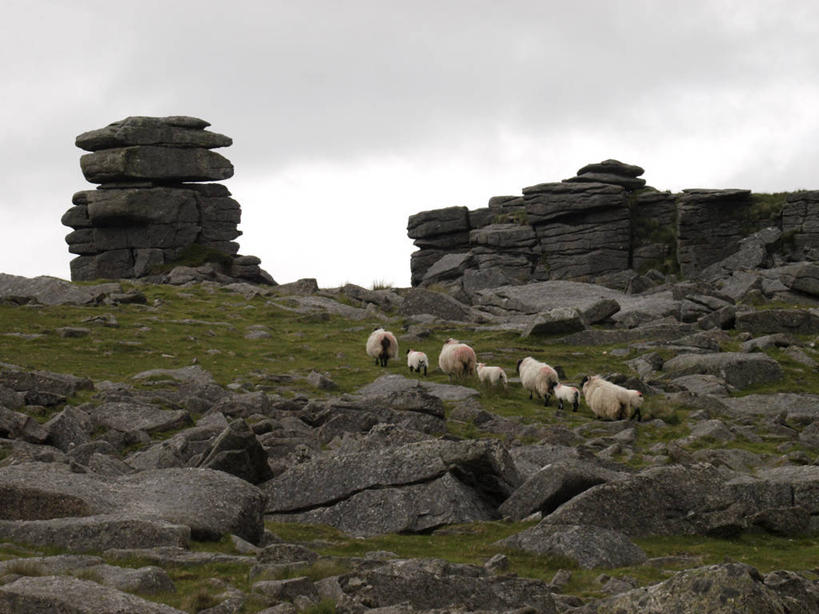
x=392, y=383
x=152, y=163
x=587, y=546
x=770, y=321
x=52, y=290
x=210, y=502
x=68, y=595
x=431, y=584
x=125, y=416
x=547, y=295
x=95, y=533
x=168, y=131
x=414, y=508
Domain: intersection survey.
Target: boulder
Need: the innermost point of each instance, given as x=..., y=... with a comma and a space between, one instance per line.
x=52, y=291
x=587, y=546
x=799, y=224
x=211, y=503
x=770, y=321
x=129, y=416
x=176, y=131
x=727, y=588
x=35, y=595
x=420, y=301
x=430, y=584
x=237, y=451
x=553, y=485
x=673, y=500
x=155, y=164
x=383, y=475
x=558, y=321
x=738, y=369
x=447, y=221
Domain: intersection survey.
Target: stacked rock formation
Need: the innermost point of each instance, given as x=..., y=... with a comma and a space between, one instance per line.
x=800, y=223
x=147, y=212
x=575, y=229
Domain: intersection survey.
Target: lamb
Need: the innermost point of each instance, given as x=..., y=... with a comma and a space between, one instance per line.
x=382, y=345
x=537, y=377
x=569, y=394
x=610, y=401
x=416, y=360
x=457, y=359
x=491, y=375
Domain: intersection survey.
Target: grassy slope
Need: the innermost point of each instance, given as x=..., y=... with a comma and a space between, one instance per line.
x=163, y=335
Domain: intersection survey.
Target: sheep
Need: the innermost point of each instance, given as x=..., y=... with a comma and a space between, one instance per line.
x=382, y=345
x=491, y=375
x=569, y=394
x=608, y=400
x=416, y=360
x=537, y=377
x=457, y=359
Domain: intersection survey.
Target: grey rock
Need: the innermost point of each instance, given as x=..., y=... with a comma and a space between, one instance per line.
x=126, y=416
x=211, y=503
x=754, y=252
x=388, y=385
x=53, y=291
x=739, y=370
x=553, y=485
x=95, y=533
x=166, y=131
x=694, y=500
x=613, y=167
x=796, y=407
x=629, y=183
x=770, y=321
x=413, y=508
x=482, y=465
x=153, y=163
x=426, y=584
x=600, y=311
x=758, y=344
x=561, y=320
x=504, y=236
x=587, y=546
x=421, y=301
x=728, y=588
x=437, y=222
x=799, y=217
x=238, y=452
x=449, y=266
x=36, y=595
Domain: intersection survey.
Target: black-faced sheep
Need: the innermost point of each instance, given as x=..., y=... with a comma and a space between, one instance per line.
x=416, y=360
x=457, y=359
x=493, y=376
x=537, y=377
x=382, y=345
x=568, y=394
x=608, y=400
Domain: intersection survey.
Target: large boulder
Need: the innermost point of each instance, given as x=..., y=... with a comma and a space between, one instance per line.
x=770, y=321
x=395, y=478
x=728, y=588
x=211, y=503
x=52, y=291
x=738, y=369
x=68, y=595
x=674, y=500
x=154, y=163
x=174, y=131
x=430, y=584
x=587, y=546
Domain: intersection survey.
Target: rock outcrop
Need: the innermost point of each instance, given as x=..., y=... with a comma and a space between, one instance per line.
x=150, y=211
x=605, y=225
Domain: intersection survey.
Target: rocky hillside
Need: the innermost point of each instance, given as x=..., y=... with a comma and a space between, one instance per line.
x=220, y=448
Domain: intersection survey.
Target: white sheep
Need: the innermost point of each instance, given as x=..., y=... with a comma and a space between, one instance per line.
x=416, y=360
x=382, y=345
x=537, y=377
x=457, y=359
x=569, y=394
x=608, y=400
x=493, y=376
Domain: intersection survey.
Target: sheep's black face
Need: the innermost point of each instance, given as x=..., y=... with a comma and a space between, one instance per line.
x=517, y=367
x=584, y=380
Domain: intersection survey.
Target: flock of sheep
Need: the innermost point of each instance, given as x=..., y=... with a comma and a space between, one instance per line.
x=605, y=399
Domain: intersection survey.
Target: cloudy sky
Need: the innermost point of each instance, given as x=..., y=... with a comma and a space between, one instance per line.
x=349, y=116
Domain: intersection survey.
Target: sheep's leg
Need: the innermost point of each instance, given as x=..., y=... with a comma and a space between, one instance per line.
x=425, y=370
x=638, y=414
x=575, y=405
x=530, y=395
x=560, y=404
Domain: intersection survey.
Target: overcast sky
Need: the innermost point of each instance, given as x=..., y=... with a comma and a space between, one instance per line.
x=349, y=116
